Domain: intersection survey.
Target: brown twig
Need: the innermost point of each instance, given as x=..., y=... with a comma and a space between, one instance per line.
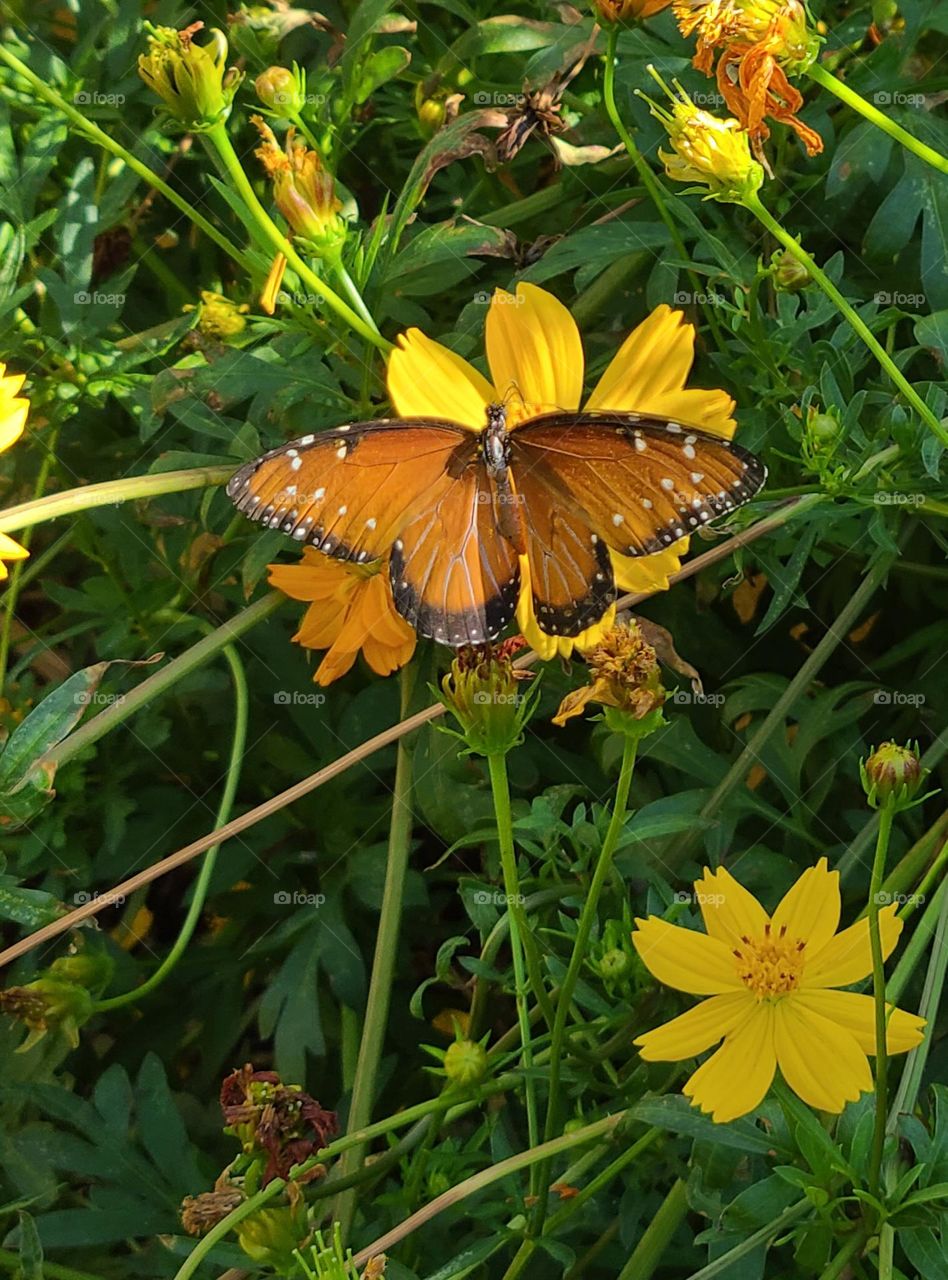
x=360, y=753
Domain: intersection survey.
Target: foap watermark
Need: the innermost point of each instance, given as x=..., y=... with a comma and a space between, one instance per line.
x=686, y=298
x=83, y=896
x=508, y=499
x=695, y=898
x=896, y=98
x=484, y=99
x=486, y=697
x=93, y=98
x=96, y=299
x=299, y=698
x=885, y=899
x=896, y=698
x=883, y=298
x=499, y=299
x=494, y=898
x=284, y=898
x=892, y=498
x=688, y=697
x=96, y=698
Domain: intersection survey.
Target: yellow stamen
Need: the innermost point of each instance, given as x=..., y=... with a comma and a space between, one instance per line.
x=771, y=966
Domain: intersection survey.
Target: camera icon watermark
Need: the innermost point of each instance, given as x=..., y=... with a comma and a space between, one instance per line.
x=96, y=698
x=693, y=897
x=686, y=298
x=298, y=698
x=885, y=899
x=483, y=99
x=284, y=898
x=484, y=697
x=484, y=298
x=494, y=898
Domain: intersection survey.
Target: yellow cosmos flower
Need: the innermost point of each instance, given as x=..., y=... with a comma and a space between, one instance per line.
x=351, y=609
x=13, y=411
x=534, y=347
x=770, y=980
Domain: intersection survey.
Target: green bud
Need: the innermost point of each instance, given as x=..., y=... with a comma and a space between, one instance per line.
x=270, y=1236
x=465, y=1062
x=893, y=775
x=282, y=90
x=192, y=80
x=789, y=274
x=484, y=695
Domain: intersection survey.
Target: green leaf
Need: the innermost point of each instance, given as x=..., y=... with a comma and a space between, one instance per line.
x=31, y=1250
x=380, y=67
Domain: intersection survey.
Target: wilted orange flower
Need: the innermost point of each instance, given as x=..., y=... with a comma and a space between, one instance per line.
x=626, y=10
x=303, y=189
x=351, y=610
x=762, y=43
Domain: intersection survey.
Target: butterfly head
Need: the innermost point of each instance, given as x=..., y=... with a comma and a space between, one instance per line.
x=496, y=441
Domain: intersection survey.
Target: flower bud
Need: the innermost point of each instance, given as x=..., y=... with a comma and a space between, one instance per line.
x=482, y=692
x=625, y=679
x=706, y=150
x=218, y=317
x=789, y=274
x=270, y=1237
x=303, y=189
x=192, y=80
x=893, y=775
x=823, y=430
x=281, y=90
x=201, y=1212
x=615, y=965
x=46, y=1004
x=465, y=1062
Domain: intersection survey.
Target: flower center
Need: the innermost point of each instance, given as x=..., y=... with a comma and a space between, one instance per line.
x=771, y=965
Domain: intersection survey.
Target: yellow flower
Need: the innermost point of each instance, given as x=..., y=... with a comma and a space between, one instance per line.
x=705, y=150
x=769, y=979
x=351, y=609
x=533, y=345
x=218, y=317
x=191, y=79
x=625, y=674
x=763, y=42
x=303, y=190
x=13, y=411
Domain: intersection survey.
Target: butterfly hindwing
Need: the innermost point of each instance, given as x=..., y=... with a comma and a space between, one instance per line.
x=570, y=570
x=454, y=577
x=643, y=482
x=348, y=491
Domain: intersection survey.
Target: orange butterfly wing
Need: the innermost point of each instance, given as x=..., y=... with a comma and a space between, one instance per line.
x=349, y=491
x=641, y=482
x=570, y=570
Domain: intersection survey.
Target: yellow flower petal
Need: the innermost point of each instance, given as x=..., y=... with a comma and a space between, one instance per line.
x=10, y=550
x=534, y=350
x=820, y=1061
x=735, y=1080
x=648, y=373
x=857, y=1015
x=425, y=379
x=698, y=1029
x=810, y=909
x=546, y=646
x=684, y=959
x=847, y=958
x=730, y=911
x=647, y=574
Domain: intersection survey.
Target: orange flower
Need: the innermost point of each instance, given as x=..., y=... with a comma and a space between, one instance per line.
x=627, y=10
x=763, y=42
x=350, y=609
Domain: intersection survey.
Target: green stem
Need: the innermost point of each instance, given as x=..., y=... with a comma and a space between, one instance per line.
x=643, y=169
x=50, y=1270
x=774, y=719
x=202, y=884
x=655, y=1239
x=163, y=680
x=109, y=493
x=886, y=816
x=353, y=294
x=383, y=963
x=827, y=80
x=578, y=955
x=849, y=1249
x=519, y=927
x=764, y=1236
x=601, y=1180
x=918, y=943
x=856, y=322
x=102, y=139
x=219, y=139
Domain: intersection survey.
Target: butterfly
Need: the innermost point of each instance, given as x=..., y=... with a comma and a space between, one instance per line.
x=453, y=510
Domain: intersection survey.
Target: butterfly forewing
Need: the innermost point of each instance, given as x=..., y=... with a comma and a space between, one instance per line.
x=642, y=482
x=349, y=491
x=570, y=570
x=454, y=577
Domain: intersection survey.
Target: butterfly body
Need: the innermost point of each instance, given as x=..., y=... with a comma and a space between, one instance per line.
x=454, y=510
